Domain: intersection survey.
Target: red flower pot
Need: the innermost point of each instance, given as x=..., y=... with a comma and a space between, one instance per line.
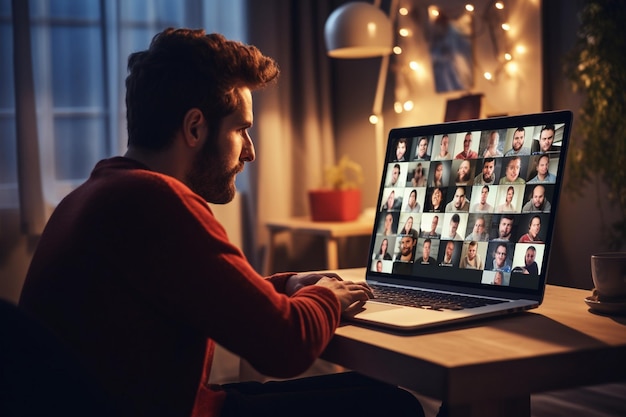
x=335, y=205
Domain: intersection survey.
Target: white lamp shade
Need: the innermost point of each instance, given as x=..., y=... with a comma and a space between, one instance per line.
x=358, y=30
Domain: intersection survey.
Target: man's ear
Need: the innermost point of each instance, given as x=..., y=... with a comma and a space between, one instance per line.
x=194, y=127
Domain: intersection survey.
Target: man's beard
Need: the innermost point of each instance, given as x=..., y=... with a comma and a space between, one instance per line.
x=211, y=178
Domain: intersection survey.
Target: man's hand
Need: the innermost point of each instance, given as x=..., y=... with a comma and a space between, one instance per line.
x=347, y=292
x=297, y=281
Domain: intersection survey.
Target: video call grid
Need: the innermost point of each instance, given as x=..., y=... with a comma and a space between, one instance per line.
x=461, y=200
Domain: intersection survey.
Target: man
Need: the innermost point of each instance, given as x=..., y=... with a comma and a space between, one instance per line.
x=546, y=139
x=543, y=173
x=530, y=265
x=467, y=153
x=458, y=203
x=500, y=262
x=534, y=226
x=447, y=256
x=401, y=146
x=505, y=228
x=419, y=178
x=454, y=225
x=395, y=175
x=478, y=232
x=379, y=266
x=136, y=275
x=482, y=206
x=426, y=258
x=432, y=233
x=487, y=176
x=492, y=150
x=471, y=260
x=463, y=174
x=517, y=148
x=512, y=172
x=407, y=247
x=422, y=150
x=443, y=148
x=538, y=202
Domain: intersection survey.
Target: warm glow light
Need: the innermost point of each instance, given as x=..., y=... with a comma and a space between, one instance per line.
x=404, y=32
x=499, y=5
x=512, y=68
x=508, y=56
x=434, y=12
x=397, y=107
x=408, y=105
x=520, y=49
x=397, y=50
x=414, y=65
x=373, y=119
x=469, y=7
x=403, y=11
x=506, y=26
x=488, y=76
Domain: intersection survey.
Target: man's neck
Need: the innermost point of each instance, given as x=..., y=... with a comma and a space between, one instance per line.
x=169, y=162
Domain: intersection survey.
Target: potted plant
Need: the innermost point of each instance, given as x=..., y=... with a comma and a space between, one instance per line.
x=341, y=199
x=595, y=66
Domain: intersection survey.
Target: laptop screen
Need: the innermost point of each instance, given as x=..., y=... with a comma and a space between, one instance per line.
x=471, y=203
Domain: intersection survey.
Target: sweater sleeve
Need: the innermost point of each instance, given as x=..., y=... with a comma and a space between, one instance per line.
x=208, y=283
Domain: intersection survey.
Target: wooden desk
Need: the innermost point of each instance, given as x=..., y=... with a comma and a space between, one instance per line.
x=330, y=231
x=491, y=367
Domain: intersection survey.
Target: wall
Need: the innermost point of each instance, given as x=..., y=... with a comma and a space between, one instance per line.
x=539, y=85
x=580, y=221
x=511, y=92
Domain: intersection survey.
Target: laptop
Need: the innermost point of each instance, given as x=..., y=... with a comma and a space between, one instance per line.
x=465, y=214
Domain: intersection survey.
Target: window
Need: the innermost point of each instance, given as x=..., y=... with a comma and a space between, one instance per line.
x=79, y=53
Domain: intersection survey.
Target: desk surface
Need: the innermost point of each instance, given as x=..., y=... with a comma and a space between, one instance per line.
x=559, y=345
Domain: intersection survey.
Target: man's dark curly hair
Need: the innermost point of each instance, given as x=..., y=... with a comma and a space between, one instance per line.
x=185, y=69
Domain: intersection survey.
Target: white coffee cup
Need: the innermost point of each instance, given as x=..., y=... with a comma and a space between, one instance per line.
x=608, y=271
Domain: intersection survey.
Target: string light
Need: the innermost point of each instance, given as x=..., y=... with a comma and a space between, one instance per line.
x=373, y=119
x=409, y=73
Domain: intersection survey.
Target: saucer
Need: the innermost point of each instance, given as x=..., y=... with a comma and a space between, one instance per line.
x=604, y=306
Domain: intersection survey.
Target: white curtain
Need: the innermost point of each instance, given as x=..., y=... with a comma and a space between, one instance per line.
x=77, y=115
x=64, y=110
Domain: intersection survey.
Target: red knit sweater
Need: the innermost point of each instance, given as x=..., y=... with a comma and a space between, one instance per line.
x=137, y=275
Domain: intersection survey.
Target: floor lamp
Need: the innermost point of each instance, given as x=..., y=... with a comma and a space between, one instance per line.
x=363, y=30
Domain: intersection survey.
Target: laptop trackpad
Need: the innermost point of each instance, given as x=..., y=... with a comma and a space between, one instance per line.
x=368, y=308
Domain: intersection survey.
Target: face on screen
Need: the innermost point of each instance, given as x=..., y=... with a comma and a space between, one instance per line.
x=499, y=227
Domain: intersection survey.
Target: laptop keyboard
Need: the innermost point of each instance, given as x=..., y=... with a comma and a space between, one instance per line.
x=427, y=299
